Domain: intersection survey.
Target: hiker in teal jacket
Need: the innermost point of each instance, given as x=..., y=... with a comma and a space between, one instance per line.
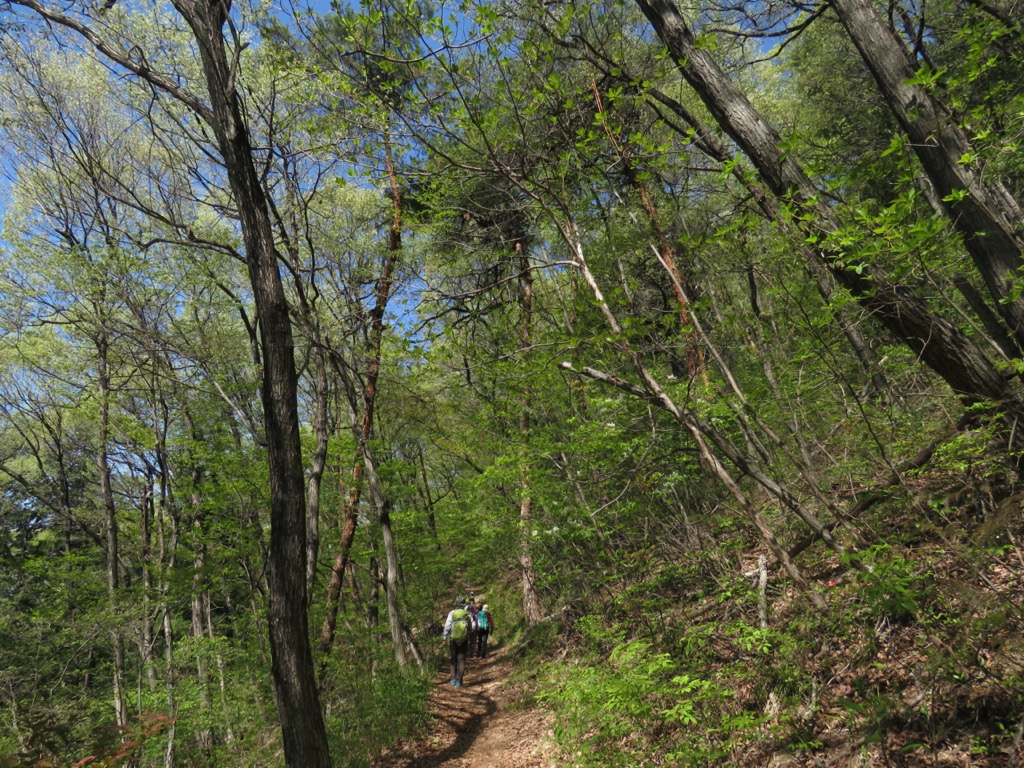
x=456, y=634
x=484, y=627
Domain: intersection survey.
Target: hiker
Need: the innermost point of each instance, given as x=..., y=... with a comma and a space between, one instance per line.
x=456, y=634
x=472, y=608
x=484, y=627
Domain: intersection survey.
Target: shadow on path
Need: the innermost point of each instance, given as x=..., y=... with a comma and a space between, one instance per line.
x=460, y=716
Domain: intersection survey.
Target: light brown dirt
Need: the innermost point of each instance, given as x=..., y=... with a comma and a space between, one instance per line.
x=478, y=725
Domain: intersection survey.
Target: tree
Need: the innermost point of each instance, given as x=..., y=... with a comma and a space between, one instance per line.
x=939, y=342
x=984, y=211
x=360, y=92
x=303, y=729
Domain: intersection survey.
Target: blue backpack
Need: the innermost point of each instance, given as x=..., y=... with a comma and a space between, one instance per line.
x=483, y=620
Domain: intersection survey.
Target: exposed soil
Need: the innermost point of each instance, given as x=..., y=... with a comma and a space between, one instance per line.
x=479, y=725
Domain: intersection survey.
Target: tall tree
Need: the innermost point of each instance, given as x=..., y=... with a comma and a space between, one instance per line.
x=305, y=738
x=939, y=342
x=358, y=55
x=984, y=211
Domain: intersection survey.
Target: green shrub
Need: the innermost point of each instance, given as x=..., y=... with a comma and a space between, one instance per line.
x=633, y=708
x=893, y=588
x=374, y=705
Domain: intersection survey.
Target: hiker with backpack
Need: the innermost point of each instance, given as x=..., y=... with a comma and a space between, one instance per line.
x=484, y=627
x=472, y=608
x=456, y=634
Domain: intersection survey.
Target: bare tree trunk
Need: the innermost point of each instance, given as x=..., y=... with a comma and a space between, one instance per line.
x=317, y=467
x=197, y=630
x=668, y=261
x=938, y=342
x=392, y=573
x=700, y=432
x=984, y=212
x=229, y=729
x=762, y=589
x=110, y=511
x=199, y=600
x=373, y=594
x=170, y=679
x=147, y=641
x=532, y=612
x=414, y=649
x=164, y=514
x=383, y=504
x=289, y=229
x=428, y=502
x=350, y=509
x=666, y=252
x=707, y=143
x=369, y=400
x=372, y=610
x=391, y=596
x=298, y=701
x=170, y=676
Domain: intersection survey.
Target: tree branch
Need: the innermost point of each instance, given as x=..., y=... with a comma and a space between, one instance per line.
x=155, y=79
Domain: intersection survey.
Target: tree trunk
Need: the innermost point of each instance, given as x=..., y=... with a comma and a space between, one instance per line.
x=222, y=684
x=373, y=594
x=666, y=251
x=699, y=431
x=170, y=679
x=938, y=342
x=369, y=399
x=666, y=257
x=165, y=515
x=298, y=703
x=531, y=601
x=383, y=504
x=317, y=467
x=112, y=544
x=147, y=640
x=199, y=599
x=987, y=216
x=350, y=517
x=532, y=612
x=428, y=502
x=204, y=735
x=708, y=143
x=392, y=580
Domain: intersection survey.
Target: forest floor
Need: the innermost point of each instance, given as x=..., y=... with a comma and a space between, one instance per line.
x=481, y=725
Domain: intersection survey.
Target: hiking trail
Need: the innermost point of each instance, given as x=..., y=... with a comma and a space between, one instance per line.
x=478, y=725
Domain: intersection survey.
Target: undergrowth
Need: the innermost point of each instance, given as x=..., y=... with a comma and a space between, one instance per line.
x=917, y=661
x=374, y=704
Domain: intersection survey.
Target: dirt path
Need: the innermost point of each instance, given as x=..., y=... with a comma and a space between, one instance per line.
x=478, y=725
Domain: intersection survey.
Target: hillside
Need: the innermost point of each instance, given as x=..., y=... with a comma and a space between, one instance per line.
x=915, y=663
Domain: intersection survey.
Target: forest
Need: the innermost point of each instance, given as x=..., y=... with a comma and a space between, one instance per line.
x=688, y=332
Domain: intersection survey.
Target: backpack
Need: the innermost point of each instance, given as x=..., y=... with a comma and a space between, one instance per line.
x=483, y=619
x=460, y=626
